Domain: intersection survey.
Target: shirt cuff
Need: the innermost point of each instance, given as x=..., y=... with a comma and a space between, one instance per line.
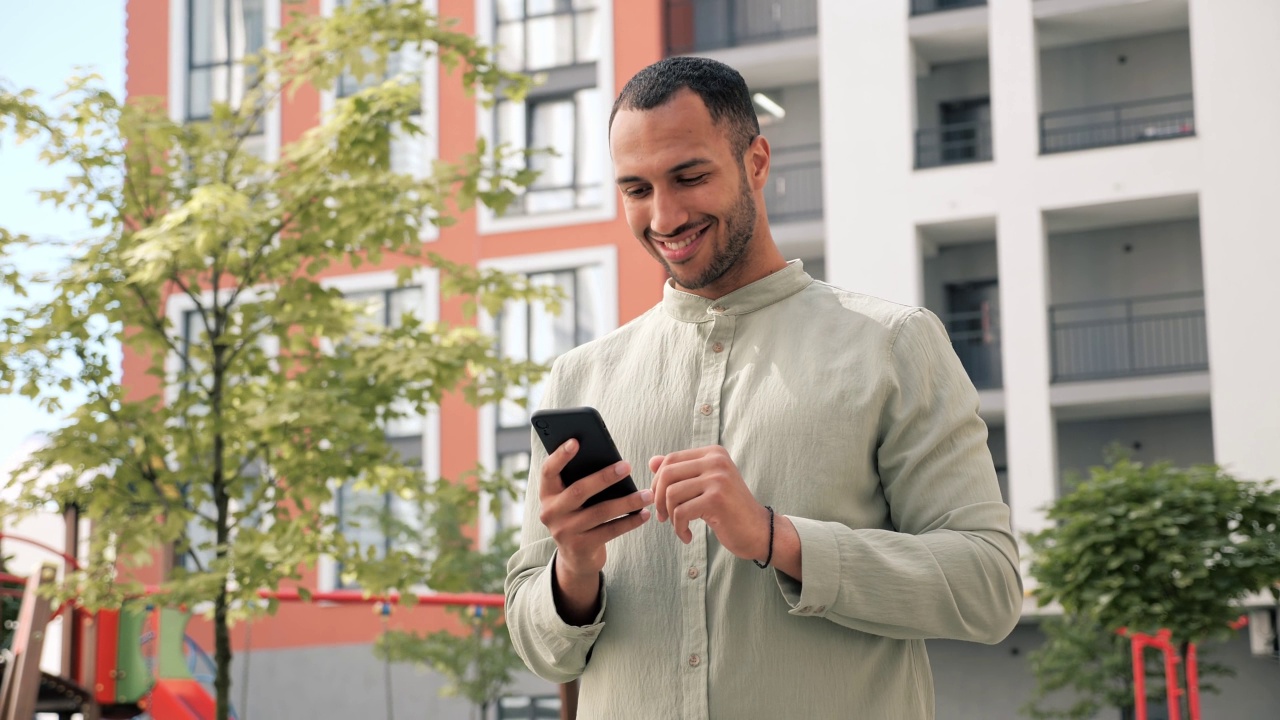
x=820, y=565
x=562, y=637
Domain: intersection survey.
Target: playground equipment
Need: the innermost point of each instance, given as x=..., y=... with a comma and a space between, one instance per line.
x=1163, y=641
x=121, y=663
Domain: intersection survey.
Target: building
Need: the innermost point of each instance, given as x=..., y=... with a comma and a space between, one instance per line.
x=1080, y=188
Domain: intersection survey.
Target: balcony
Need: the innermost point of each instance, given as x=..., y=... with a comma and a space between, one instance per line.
x=924, y=7
x=975, y=335
x=794, y=192
x=1117, y=124
x=953, y=144
x=1129, y=337
x=695, y=26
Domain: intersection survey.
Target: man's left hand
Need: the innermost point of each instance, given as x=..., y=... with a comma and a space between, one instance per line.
x=704, y=483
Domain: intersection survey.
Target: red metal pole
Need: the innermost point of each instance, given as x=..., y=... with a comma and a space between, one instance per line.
x=1173, y=693
x=1193, y=683
x=1139, y=643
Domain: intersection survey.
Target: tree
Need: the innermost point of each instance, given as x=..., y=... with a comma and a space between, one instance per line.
x=1094, y=667
x=277, y=390
x=1150, y=547
x=477, y=665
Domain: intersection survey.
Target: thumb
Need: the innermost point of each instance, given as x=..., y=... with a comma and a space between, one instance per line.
x=655, y=462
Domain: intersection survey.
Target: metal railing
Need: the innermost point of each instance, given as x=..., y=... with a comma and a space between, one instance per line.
x=924, y=7
x=976, y=338
x=1134, y=336
x=1118, y=124
x=953, y=144
x=701, y=25
x=794, y=191
x=529, y=707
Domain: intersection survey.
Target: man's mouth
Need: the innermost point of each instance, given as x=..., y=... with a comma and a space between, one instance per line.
x=683, y=247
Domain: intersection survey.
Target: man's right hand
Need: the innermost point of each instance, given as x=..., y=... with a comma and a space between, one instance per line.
x=581, y=533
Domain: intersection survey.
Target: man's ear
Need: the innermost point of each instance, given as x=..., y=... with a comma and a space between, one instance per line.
x=756, y=161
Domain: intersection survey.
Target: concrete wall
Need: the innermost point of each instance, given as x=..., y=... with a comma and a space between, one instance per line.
x=803, y=123
x=347, y=681
x=1183, y=439
x=1136, y=261
x=951, y=81
x=1081, y=76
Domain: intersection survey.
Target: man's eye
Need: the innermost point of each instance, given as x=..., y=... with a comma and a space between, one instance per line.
x=695, y=180
x=635, y=192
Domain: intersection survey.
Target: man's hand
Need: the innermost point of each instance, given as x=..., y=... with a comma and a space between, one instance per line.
x=581, y=533
x=704, y=483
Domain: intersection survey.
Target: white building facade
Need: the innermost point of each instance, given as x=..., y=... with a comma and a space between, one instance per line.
x=1083, y=191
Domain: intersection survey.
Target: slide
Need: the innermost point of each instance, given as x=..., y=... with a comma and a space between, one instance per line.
x=182, y=699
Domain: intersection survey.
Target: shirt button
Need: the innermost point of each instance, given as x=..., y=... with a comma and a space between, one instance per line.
x=718, y=347
x=705, y=409
x=694, y=661
x=717, y=309
x=806, y=610
x=820, y=609
x=693, y=573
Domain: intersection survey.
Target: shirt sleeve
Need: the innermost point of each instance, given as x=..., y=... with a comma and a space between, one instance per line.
x=550, y=647
x=949, y=568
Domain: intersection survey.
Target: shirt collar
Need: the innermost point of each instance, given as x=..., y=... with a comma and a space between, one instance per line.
x=762, y=293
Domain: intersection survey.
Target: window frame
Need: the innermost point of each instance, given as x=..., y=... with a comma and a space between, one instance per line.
x=266, y=143
x=606, y=257
x=561, y=81
x=328, y=569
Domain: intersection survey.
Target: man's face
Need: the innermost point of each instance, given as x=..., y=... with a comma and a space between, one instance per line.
x=685, y=192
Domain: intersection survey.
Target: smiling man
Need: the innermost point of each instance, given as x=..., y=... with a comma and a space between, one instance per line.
x=817, y=454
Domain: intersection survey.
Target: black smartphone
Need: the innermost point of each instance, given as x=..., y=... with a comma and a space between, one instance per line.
x=596, y=450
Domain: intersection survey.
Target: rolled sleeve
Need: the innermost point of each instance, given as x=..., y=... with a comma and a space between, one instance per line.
x=820, y=564
x=553, y=649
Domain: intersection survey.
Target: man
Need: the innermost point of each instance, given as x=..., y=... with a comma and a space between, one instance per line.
x=827, y=436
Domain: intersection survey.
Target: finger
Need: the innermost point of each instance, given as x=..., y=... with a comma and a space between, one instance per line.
x=602, y=514
x=687, y=512
x=583, y=490
x=668, y=475
x=617, y=527
x=550, y=483
x=678, y=498
x=655, y=462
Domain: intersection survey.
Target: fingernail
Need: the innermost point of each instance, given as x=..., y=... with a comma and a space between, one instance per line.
x=646, y=496
x=644, y=514
x=571, y=445
x=620, y=468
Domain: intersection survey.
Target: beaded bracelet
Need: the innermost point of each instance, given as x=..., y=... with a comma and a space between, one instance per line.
x=768, y=559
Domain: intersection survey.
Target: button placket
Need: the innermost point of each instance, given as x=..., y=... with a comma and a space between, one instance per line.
x=707, y=408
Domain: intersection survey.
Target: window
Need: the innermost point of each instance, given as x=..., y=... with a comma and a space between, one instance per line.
x=529, y=331
x=364, y=514
x=561, y=41
x=220, y=33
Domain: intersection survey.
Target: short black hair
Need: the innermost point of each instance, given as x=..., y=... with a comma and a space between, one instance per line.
x=721, y=88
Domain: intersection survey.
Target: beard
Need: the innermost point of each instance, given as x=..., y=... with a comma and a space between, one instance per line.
x=739, y=229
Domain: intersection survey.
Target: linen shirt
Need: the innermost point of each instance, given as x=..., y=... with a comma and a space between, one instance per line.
x=850, y=415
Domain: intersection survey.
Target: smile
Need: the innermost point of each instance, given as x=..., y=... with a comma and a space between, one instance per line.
x=681, y=248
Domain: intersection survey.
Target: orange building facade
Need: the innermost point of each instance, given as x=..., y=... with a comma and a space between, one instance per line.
x=314, y=660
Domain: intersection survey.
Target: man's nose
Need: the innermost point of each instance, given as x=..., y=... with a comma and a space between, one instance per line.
x=668, y=213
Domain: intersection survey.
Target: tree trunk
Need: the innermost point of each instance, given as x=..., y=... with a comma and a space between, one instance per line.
x=222, y=654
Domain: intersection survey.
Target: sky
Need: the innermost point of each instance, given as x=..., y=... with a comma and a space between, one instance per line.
x=42, y=43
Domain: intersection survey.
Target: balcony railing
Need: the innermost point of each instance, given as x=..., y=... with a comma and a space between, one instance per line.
x=1119, y=124
x=1136, y=336
x=953, y=144
x=701, y=25
x=924, y=7
x=976, y=338
x=529, y=707
x=794, y=191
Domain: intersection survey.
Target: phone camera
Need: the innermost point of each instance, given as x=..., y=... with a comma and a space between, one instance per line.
x=540, y=424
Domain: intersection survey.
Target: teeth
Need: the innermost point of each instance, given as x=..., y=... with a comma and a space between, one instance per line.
x=683, y=244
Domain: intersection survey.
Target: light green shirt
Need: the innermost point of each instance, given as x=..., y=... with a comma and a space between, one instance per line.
x=850, y=415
